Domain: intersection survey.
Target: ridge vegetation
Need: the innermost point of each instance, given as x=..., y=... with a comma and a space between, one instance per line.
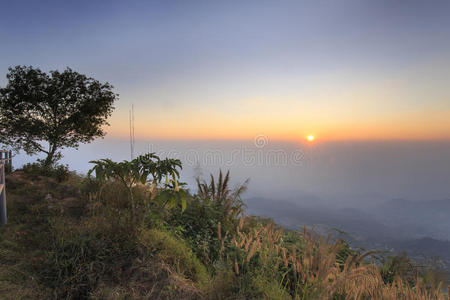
x=133, y=231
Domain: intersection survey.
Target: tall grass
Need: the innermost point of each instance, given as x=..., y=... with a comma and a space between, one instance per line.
x=315, y=268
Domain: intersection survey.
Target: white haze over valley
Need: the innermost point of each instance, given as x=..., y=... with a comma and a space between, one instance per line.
x=340, y=173
x=381, y=193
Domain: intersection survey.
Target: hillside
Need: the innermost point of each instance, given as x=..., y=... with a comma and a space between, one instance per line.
x=73, y=237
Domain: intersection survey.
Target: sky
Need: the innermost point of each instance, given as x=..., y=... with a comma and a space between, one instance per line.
x=341, y=70
x=224, y=84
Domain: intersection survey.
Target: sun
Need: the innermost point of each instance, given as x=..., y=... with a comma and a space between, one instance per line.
x=310, y=138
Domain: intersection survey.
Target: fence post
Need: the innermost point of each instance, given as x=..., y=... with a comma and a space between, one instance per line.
x=6, y=162
x=2, y=193
x=10, y=169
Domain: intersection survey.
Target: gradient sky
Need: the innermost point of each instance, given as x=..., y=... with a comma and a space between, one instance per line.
x=341, y=70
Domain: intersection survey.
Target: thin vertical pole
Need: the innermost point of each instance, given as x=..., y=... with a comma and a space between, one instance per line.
x=132, y=119
x=2, y=195
x=132, y=132
x=131, y=140
x=10, y=161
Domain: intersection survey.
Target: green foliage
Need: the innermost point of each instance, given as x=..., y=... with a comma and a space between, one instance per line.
x=145, y=169
x=227, y=201
x=394, y=266
x=138, y=170
x=176, y=253
x=199, y=226
x=59, y=172
x=215, y=203
x=63, y=109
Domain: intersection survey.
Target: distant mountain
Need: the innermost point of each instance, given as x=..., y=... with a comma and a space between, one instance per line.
x=357, y=223
x=426, y=247
x=407, y=204
x=416, y=219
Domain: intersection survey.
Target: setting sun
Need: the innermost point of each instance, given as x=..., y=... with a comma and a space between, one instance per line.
x=310, y=138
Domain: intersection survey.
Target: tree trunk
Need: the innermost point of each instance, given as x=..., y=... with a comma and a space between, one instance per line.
x=50, y=156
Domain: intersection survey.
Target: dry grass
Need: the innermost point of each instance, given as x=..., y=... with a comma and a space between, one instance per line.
x=313, y=271
x=152, y=279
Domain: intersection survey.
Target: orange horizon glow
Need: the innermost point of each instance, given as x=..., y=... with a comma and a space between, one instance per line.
x=282, y=123
x=409, y=104
x=342, y=132
x=385, y=133
x=368, y=133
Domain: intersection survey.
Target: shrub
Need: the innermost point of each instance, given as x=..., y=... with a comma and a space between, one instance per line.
x=215, y=203
x=148, y=168
x=59, y=172
x=199, y=227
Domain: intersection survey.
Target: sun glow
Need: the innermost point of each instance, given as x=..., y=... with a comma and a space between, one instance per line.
x=310, y=138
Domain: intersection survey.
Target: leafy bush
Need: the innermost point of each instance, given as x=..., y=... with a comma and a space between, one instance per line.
x=395, y=266
x=148, y=168
x=214, y=208
x=59, y=172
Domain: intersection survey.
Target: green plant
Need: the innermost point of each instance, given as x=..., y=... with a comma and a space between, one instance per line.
x=144, y=169
x=215, y=203
x=61, y=173
x=58, y=171
x=221, y=196
x=399, y=266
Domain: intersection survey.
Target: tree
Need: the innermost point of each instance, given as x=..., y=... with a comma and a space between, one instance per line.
x=62, y=109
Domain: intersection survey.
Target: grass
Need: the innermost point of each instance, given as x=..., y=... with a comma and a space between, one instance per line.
x=174, y=251
x=71, y=237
